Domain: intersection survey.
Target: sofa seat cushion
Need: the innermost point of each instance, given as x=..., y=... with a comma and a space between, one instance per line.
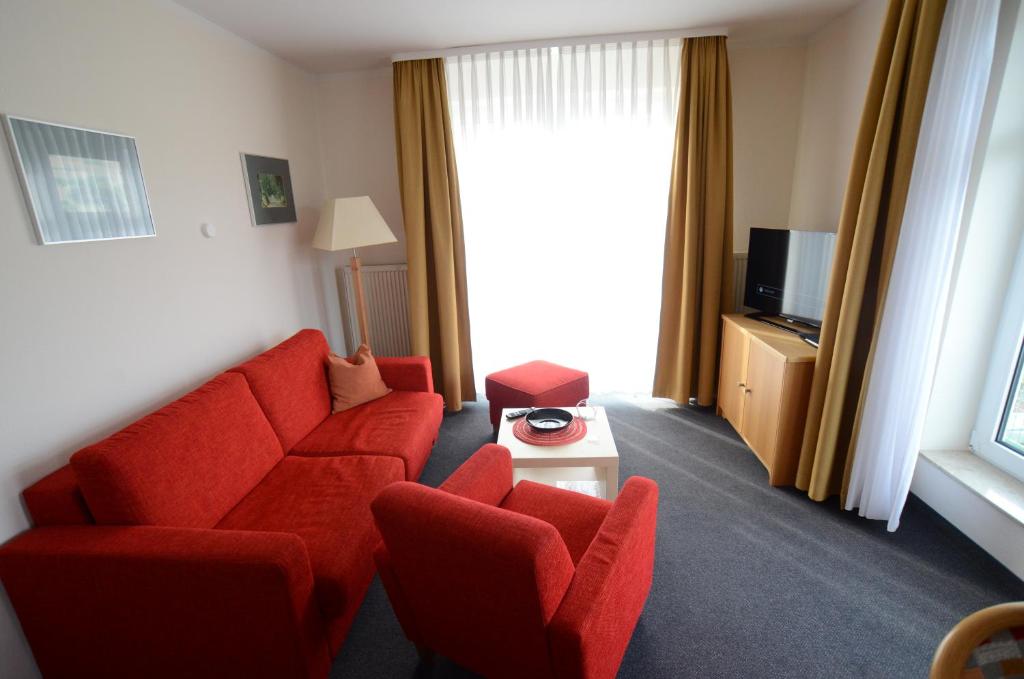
x=576, y=517
x=326, y=502
x=290, y=383
x=403, y=424
x=185, y=465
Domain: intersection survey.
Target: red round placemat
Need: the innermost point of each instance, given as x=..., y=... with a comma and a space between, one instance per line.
x=576, y=430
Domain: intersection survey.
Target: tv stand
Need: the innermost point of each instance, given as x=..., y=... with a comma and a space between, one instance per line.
x=763, y=390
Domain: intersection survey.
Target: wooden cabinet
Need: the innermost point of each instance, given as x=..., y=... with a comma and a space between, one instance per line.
x=763, y=387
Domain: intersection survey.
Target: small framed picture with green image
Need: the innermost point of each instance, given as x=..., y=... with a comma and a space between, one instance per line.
x=272, y=190
x=268, y=184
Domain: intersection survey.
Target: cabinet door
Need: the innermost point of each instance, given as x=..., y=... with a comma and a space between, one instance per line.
x=762, y=396
x=731, y=376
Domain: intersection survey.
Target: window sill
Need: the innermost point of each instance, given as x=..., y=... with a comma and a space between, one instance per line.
x=985, y=480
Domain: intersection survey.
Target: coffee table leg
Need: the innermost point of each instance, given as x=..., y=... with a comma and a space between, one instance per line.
x=611, y=481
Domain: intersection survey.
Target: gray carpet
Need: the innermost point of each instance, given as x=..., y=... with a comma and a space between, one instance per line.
x=750, y=581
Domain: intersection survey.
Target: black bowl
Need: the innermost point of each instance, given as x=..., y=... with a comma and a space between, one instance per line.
x=547, y=420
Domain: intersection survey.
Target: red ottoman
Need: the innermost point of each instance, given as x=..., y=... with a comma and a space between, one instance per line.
x=537, y=383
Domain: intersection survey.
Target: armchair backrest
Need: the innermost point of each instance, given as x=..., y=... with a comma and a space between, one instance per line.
x=473, y=580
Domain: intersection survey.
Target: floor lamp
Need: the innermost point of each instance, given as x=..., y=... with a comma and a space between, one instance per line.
x=347, y=224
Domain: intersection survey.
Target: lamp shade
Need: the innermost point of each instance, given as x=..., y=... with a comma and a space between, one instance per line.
x=347, y=223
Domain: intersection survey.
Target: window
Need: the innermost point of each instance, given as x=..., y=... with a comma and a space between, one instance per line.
x=1011, y=428
x=999, y=432
x=565, y=156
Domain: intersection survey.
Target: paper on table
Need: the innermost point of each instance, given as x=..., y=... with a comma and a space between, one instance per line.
x=592, y=488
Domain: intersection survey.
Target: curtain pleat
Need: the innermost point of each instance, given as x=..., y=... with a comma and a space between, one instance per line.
x=429, y=185
x=557, y=86
x=910, y=331
x=697, y=276
x=869, y=227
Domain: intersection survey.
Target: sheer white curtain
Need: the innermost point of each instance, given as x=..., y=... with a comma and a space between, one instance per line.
x=908, y=341
x=564, y=157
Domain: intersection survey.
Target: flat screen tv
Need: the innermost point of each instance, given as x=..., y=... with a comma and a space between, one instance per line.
x=787, y=273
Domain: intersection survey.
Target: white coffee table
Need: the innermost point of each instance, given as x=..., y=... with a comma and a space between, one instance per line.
x=592, y=458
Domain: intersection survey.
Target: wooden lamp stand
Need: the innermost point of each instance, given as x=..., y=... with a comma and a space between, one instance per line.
x=357, y=283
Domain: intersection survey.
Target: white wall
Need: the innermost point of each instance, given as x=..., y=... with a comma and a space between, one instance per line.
x=839, y=61
x=796, y=109
x=357, y=131
x=767, y=89
x=993, y=529
x=95, y=335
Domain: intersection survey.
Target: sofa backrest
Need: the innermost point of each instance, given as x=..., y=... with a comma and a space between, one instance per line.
x=186, y=465
x=475, y=581
x=290, y=383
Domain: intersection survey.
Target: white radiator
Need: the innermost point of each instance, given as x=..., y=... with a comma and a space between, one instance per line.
x=739, y=279
x=387, y=308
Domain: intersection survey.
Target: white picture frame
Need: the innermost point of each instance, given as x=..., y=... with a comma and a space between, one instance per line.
x=79, y=184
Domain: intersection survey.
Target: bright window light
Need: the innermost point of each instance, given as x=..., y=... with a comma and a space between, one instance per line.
x=564, y=216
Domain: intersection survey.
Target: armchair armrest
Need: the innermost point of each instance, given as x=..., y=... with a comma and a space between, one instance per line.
x=406, y=373
x=168, y=602
x=485, y=477
x=592, y=627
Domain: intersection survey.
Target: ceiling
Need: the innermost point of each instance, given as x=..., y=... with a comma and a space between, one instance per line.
x=326, y=36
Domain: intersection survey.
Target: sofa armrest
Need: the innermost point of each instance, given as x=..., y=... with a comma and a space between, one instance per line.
x=589, y=633
x=485, y=477
x=167, y=602
x=406, y=373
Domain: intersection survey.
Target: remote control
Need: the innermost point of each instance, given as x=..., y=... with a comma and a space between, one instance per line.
x=515, y=414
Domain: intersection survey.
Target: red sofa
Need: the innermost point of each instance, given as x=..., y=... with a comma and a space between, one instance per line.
x=226, y=534
x=530, y=581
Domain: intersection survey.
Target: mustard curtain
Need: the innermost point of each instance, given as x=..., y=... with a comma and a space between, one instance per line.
x=429, y=185
x=869, y=226
x=697, y=278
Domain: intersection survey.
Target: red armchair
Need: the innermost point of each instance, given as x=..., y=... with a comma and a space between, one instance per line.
x=512, y=582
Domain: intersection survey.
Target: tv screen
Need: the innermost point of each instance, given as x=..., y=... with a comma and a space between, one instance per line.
x=787, y=273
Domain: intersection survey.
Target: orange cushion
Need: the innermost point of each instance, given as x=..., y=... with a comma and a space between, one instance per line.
x=354, y=381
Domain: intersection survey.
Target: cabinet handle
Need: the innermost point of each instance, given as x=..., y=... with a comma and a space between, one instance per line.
x=746, y=391
x=740, y=384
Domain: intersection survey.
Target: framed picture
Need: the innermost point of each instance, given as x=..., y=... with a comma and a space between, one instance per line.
x=268, y=184
x=80, y=185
